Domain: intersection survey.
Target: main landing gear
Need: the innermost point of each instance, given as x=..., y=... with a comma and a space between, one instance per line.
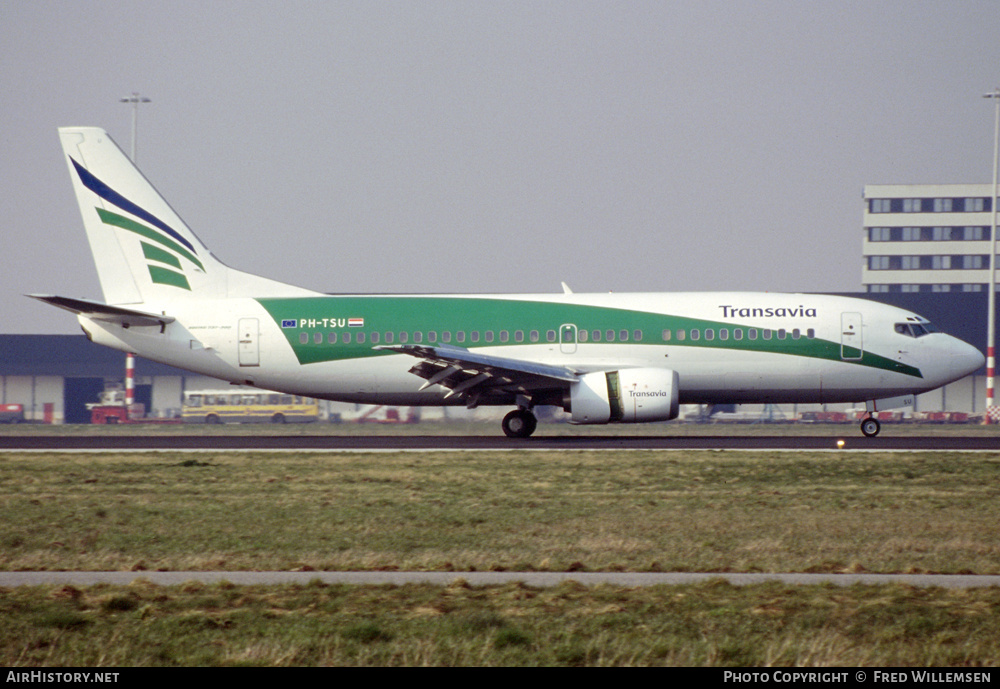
x=519, y=423
x=870, y=426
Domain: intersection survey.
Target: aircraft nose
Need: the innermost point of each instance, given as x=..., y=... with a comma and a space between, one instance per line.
x=966, y=359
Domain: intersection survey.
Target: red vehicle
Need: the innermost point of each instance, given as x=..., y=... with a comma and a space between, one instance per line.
x=11, y=413
x=112, y=409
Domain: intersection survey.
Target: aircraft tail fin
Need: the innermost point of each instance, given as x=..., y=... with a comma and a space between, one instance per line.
x=144, y=252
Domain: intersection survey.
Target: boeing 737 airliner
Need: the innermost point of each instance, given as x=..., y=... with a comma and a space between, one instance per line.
x=604, y=358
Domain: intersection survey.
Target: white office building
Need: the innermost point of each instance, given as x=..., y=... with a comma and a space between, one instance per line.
x=926, y=237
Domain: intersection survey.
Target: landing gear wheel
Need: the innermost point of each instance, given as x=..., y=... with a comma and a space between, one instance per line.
x=870, y=427
x=519, y=423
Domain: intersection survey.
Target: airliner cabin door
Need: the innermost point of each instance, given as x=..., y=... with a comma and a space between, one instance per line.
x=567, y=338
x=249, y=342
x=851, y=346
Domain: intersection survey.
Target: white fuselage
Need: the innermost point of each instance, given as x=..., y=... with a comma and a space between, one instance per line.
x=725, y=347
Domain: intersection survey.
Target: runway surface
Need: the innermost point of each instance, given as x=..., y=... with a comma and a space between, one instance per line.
x=534, y=579
x=852, y=440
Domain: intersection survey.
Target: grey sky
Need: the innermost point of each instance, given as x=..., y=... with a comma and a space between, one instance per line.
x=494, y=146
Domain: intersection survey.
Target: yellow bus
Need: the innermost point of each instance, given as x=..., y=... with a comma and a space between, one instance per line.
x=247, y=405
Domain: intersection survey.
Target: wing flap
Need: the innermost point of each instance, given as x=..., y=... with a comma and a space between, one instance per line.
x=473, y=374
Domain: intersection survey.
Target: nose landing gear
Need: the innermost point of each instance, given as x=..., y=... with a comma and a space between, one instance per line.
x=870, y=426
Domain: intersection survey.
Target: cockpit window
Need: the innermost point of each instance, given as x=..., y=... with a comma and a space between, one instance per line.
x=915, y=329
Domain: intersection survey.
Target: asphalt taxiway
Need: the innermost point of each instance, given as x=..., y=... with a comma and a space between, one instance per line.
x=850, y=440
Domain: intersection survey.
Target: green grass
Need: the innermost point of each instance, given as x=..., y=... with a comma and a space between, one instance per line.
x=465, y=511
x=709, y=511
x=568, y=625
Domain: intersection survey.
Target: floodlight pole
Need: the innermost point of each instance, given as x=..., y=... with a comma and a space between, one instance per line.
x=134, y=99
x=991, y=410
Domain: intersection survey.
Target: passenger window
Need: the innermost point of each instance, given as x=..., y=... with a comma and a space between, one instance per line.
x=723, y=334
x=666, y=335
x=695, y=334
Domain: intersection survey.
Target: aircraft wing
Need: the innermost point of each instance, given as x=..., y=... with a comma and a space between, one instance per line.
x=105, y=312
x=472, y=375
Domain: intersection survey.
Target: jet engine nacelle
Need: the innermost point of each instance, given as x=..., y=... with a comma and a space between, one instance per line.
x=632, y=395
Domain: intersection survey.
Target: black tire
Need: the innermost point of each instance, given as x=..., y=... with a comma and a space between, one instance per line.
x=870, y=427
x=519, y=423
x=278, y=418
x=212, y=419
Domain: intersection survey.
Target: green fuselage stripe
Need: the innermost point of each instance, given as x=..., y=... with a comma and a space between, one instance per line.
x=324, y=315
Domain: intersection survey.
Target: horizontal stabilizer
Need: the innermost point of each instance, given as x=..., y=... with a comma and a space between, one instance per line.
x=105, y=312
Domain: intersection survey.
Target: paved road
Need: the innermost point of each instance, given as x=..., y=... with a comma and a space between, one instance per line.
x=851, y=438
x=537, y=579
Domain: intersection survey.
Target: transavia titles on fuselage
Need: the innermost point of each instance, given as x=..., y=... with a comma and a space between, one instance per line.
x=604, y=358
